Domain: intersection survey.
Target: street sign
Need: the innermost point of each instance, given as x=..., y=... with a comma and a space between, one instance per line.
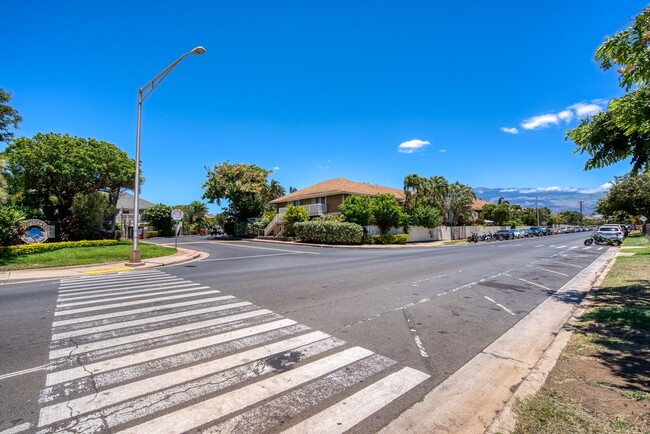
x=177, y=214
x=643, y=218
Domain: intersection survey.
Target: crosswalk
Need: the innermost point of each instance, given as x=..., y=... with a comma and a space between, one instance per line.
x=145, y=351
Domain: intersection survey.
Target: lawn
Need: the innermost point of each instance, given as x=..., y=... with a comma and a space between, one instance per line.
x=601, y=382
x=82, y=256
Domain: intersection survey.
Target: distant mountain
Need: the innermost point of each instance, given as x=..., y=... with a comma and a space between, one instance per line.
x=557, y=199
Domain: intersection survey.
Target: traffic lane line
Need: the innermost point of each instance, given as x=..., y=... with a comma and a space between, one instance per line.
x=250, y=257
x=241, y=244
x=23, y=372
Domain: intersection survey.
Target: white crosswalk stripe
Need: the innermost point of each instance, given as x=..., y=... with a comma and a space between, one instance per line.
x=146, y=351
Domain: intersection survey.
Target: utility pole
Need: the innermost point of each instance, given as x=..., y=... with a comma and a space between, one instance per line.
x=581, y=218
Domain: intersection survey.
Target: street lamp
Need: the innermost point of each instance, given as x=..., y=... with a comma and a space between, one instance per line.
x=143, y=93
x=536, y=208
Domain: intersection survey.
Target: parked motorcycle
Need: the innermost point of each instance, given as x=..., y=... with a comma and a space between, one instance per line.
x=600, y=240
x=473, y=238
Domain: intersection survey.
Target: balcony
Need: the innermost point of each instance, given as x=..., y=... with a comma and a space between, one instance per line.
x=313, y=209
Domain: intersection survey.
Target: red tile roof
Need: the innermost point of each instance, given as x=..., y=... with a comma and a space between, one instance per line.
x=478, y=204
x=339, y=186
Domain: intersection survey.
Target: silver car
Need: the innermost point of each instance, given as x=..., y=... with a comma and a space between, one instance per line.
x=610, y=231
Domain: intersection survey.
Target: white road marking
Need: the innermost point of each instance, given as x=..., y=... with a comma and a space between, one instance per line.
x=133, y=303
x=92, y=402
x=560, y=247
x=600, y=248
x=128, y=290
x=159, y=353
x=567, y=264
x=248, y=257
x=23, y=372
x=97, y=286
x=98, y=345
x=268, y=248
x=586, y=248
x=500, y=305
x=141, y=310
x=418, y=342
x=85, y=283
x=153, y=319
x=18, y=428
x=539, y=245
x=536, y=284
x=553, y=271
x=129, y=297
x=350, y=411
x=203, y=412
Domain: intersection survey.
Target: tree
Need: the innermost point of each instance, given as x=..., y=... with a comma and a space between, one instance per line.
x=9, y=117
x=293, y=215
x=160, y=217
x=420, y=191
x=193, y=215
x=623, y=130
x=243, y=185
x=426, y=216
x=88, y=211
x=571, y=217
x=499, y=213
x=47, y=171
x=459, y=200
x=629, y=194
x=387, y=212
x=11, y=225
x=357, y=209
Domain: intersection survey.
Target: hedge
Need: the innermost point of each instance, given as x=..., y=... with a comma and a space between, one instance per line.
x=387, y=239
x=152, y=234
x=30, y=249
x=329, y=232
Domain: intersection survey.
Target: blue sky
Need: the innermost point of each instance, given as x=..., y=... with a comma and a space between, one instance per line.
x=317, y=90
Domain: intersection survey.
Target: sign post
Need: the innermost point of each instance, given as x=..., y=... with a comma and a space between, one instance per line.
x=643, y=220
x=177, y=216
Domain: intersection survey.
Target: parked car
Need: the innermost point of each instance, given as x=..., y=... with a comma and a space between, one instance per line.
x=621, y=228
x=536, y=231
x=504, y=234
x=610, y=231
x=217, y=231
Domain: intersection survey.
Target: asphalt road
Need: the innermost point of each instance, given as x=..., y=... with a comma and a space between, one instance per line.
x=426, y=309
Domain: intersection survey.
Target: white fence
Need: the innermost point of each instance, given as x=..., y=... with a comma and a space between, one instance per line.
x=441, y=233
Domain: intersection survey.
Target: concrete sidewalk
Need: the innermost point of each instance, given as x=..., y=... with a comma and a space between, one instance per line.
x=39, y=274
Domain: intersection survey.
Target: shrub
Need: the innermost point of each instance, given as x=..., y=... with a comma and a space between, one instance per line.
x=30, y=249
x=11, y=220
x=117, y=235
x=387, y=239
x=293, y=215
x=329, y=232
x=229, y=228
x=151, y=234
x=426, y=216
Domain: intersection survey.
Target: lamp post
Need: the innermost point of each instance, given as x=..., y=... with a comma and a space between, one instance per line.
x=143, y=93
x=536, y=207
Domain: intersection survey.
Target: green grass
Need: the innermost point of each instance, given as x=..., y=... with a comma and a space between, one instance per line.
x=82, y=256
x=635, y=239
x=550, y=412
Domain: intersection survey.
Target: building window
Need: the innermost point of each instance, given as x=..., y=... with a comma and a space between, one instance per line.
x=296, y=203
x=322, y=200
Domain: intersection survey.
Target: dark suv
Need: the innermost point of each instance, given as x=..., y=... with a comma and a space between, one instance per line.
x=536, y=231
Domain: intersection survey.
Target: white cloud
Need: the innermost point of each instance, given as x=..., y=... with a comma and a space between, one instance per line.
x=276, y=168
x=570, y=113
x=552, y=189
x=442, y=151
x=565, y=115
x=509, y=130
x=602, y=188
x=541, y=121
x=508, y=190
x=412, y=146
x=583, y=109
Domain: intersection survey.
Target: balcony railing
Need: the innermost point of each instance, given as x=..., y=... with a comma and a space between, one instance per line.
x=312, y=209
